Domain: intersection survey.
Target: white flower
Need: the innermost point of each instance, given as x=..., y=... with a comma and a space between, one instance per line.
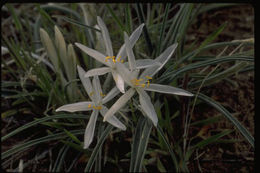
x=142, y=84
x=109, y=60
x=96, y=104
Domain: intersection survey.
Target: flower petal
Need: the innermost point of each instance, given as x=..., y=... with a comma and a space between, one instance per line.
x=163, y=58
x=133, y=38
x=74, y=107
x=147, y=106
x=145, y=63
x=106, y=37
x=130, y=54
x=119, y=103
x=90, y=129
x=97, y=88
x=86, y=83
x=93, y=53
x=110, y=95
x=97, y=71
x=168, y=90
x=121, y=68
x=113, y=120
x=119, y=81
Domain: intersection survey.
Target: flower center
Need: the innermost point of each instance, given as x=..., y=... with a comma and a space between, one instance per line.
x=136, y=82
x=113, y=59
x=95, y=107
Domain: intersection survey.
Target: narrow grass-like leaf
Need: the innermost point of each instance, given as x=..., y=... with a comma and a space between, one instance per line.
x=169, y=147
x=221, y=75
x=23, y=146
x=229, y=116
x=117, y=20
x=211, y=139
x=173, y=74
x=97, y=148
x=140, y=144
x=38, y=121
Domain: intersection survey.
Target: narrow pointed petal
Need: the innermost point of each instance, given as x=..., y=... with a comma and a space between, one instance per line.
x=97, y=71
x=119, y=103
x=86, y=83
x=133, y=39
x=97, y=88
x=113, y=120
x=121, y=68
x=74, y=107
x=145, y=63
x=106, y=36
x=90, y=129
x=114, y=92
x=93, y=53
x=130, y=54
x=168, y=90
x=162, y=59
x=147, y=106
x=119, y=81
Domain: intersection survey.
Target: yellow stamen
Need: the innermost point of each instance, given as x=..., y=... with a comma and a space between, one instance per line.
x=142, y=85
x=97, y=107
x=148, y=77
x=148, y=83
x=122, y=61
x=103, y=95
x=89, y=106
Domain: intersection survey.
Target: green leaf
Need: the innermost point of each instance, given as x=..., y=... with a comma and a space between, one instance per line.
x=229, y=116
x=37, y=121
x=173, y=156
x=23, y=146
x=117, y=20
x=212, y=36
x=97, y=148
x=211, y=139
x=140, y=141
x=73, y=137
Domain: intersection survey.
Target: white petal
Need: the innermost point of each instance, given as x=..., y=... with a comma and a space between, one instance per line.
x=125, y=73
x=145, y=63
x=110, y=95
x=130, y=54
x=168, y=90
x=119, y=81
x=93, y=53
x=147, y=106
x=112, y=120
x=90, y=129
x=163, y=58
x=105, y=35
x=74, y=107
x=97, y=88
x=97, y=71
x=119, y=103
x=133, y=38
x=86, y=83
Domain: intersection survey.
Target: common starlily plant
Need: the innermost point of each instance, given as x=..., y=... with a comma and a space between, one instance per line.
x=96, y=105
x=111, y=61
x=141, y=83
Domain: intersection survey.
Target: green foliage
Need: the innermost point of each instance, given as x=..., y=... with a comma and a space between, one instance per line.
x=39, y=75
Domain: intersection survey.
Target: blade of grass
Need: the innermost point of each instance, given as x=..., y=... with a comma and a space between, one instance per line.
x=229, y=116
x=140, y=142
x=117, y=20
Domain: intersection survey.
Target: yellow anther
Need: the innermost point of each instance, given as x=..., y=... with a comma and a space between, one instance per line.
x=122, y=61
x=114, y=61
x=138, y=80
x=142, y=85
x=118, y=60
x=148, y=77
x=97, y=107
x=89, y=105
x=103, y=95
x=148, y=83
